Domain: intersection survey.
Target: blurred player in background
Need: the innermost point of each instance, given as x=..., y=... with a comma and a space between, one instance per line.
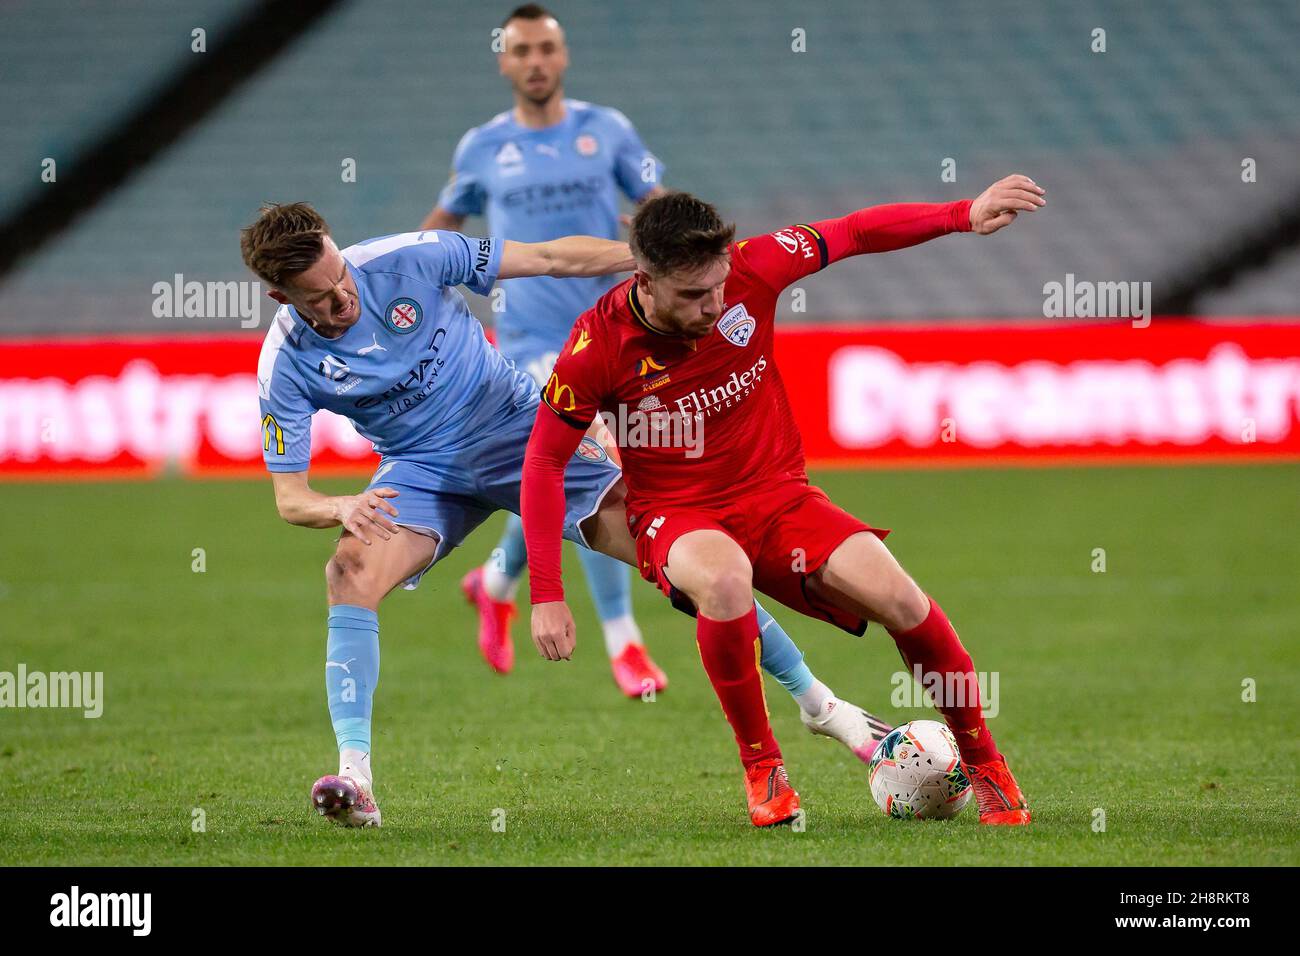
x=377, y=333
x=549, y=167
x=713, y=530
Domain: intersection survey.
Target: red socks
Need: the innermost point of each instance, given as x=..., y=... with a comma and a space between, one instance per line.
x=730, y=652
x=935, y=647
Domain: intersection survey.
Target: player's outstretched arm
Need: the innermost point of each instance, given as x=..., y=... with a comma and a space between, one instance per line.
x=899, y=225
x=364, y=515
x=542, y=505
x=570, y=257
x=999, y=205
x=784, y=257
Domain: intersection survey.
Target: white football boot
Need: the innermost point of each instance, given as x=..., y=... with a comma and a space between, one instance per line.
x=346, y=800
x=850, y=725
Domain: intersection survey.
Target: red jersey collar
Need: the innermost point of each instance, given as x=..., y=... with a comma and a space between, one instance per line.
x=634, y=304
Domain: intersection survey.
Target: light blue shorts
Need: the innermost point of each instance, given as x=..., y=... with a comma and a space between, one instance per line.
x=451, y=494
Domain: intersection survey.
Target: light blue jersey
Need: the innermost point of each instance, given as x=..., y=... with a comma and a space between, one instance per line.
x=414, y=374
x=539, y=184
x=417, y=377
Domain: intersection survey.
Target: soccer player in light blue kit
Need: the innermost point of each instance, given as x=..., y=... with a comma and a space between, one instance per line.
x=378, y=333
x=547, y=168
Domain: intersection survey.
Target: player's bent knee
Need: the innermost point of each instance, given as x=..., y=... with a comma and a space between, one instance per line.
x=346, y=577
x=714, y=572
x=910, y=606
x=898, y=602
x=726, y=592
x=902, y=606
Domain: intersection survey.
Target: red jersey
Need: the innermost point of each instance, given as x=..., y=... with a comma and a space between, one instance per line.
x=697, y=421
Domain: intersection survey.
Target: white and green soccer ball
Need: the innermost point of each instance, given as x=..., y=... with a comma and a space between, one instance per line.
x=916, y=773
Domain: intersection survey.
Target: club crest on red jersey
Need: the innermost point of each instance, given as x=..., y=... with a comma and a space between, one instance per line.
x=737, y=325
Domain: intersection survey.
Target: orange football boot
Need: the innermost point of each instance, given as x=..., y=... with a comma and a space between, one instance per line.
x=635, y=672
x=771, y=798
x=1000, y=800
x=494, y=619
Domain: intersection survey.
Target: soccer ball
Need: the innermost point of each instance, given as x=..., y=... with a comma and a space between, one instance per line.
x=916, y=772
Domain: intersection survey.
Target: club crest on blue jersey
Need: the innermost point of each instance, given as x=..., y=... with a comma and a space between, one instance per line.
x=403, y=315
x=591, y=450
x=737, y=325
x=586, y=145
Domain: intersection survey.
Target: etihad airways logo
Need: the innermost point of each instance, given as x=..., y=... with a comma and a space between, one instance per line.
x=416, y=385
x=738, y=386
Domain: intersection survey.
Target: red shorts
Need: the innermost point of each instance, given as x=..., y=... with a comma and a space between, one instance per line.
x=788, y=532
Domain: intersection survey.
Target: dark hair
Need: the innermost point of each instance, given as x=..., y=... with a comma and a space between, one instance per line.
x=285, y=239
x=529, y=11
x=675, y=231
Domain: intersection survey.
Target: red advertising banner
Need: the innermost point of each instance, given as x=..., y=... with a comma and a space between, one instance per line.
x=136, y=406
x=863, y=395
x=1038, y=394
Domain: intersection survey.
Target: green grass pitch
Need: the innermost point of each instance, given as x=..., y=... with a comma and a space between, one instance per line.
x=1120, y=692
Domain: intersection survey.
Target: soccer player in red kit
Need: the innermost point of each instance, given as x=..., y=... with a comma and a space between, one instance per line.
x=679, y=361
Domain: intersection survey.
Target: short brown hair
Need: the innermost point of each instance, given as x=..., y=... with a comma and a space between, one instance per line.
x=676, y=231
x=286, y=239
x=529, y=11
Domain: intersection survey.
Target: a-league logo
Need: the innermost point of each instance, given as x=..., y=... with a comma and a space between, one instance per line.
x=334, y=369
x=403, y=315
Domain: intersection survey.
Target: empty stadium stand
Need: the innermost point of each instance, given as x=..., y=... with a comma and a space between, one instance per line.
x=1141, y=147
